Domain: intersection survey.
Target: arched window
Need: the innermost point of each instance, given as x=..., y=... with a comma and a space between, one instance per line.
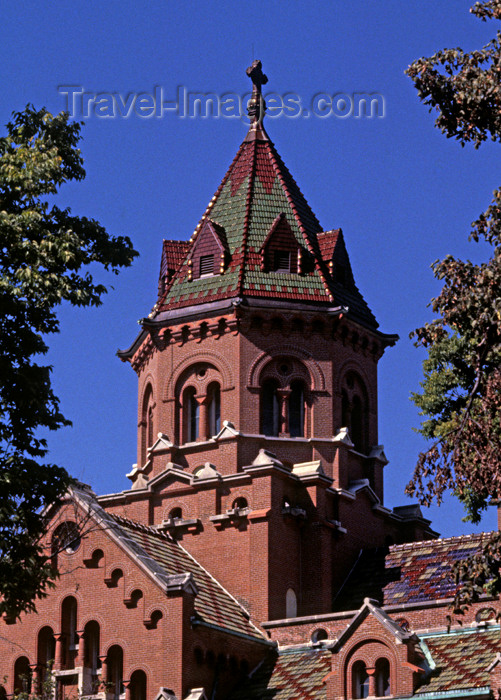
x=138, y=686
x=191, y=414
x=113, y=580
x=3, y=693
x=69, y=630
x=176, y=513
x=359, y=680
x=214, y=408
x=46, y=650
x=290, y=603
x=296, y=409
x=22, y=676
x=355, y=411
x=65, y=538
x=115, y=659
x=147, y=431
x=92, y=636
x=270, y=411
x=382, y=677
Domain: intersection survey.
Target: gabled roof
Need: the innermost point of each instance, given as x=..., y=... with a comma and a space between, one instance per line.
x=295, y=673
x=370, y=607
x=172, y=567
x=257, y=189
x=407, y=573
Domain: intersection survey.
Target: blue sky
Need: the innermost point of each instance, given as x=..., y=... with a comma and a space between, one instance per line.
x=402, y=193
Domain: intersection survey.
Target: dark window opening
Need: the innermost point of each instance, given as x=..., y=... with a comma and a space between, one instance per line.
x=191, y=415
x=360, y=680
x=296, y=410
x=115, y=672
x=269, y=408
x=382, y=678
x=138, y=686
x=214, y=408
x=206, y=265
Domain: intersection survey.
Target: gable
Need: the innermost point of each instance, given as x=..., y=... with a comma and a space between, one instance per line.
x=280, y=251
x=209, y=252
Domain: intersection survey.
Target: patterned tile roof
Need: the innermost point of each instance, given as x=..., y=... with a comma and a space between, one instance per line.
x=295, y=673
x=213, y=604
x=461, y=660
x=255, y=190
x=407, y=573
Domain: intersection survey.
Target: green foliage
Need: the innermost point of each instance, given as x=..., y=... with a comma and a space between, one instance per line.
x=461, y=390
x=44, y=253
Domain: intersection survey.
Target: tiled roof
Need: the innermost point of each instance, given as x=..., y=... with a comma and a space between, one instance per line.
x=294, y=674
x=461, y=660
x=173, y=254
x=256, y=189
x=408, y=573
x=213, y=604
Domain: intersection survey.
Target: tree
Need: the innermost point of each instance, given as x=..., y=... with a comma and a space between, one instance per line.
x=461, y=391
x=44, y=253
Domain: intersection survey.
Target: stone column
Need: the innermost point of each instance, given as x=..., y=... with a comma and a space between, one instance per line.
x=283, y=410
x=80, y=657
x=371, y=672
x=58, y=656
x=36, y=678
x=104, y=668
x=203, y=418
x=128, y=689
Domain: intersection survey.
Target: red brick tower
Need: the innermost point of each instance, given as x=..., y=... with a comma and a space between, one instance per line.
x=257, y=414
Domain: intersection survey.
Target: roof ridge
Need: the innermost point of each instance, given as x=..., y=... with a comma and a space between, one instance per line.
x=457, y=538
x=248, y=203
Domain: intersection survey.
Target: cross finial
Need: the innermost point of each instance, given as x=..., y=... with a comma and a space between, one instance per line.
x=257, y=106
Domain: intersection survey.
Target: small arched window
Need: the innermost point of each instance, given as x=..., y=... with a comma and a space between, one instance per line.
x=191, y=414
x=239, y=503
x=138, y=686
x=270, y=408
x=115, y=659
x=69, y=630
x=359, y=680
x=147, y=431
x=382, y=677
x=175, y=513
x=296, y=409
x=214, y=408
x=319, y=635
x=92, y=635
x=22, y=675
x=290, y=603
x=65, y=538
x=46, y=649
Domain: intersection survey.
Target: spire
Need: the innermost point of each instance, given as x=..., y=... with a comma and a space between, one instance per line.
x=257, y=222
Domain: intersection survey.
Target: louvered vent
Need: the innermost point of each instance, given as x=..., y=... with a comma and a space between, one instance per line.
x=282, y=261
x=206, y=265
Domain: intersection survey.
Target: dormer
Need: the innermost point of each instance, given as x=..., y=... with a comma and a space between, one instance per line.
x=335, y=256
x=209, y=254
x=280, y=251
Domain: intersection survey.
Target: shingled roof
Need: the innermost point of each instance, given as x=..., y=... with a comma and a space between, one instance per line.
x=295, y=673
x=407, y=573
x=213, y=604
x=256, y=190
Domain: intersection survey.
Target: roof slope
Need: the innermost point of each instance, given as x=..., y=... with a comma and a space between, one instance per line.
x=256, y=189
x=296, y=673
x=407, y=573
x=213, y=604
x=461, y=659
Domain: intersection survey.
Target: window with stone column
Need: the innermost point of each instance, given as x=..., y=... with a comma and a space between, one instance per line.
x=285, y=388
x=198, y=395
x=146, y=424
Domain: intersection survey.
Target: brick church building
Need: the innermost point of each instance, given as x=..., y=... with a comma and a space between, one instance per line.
x=252, y=556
